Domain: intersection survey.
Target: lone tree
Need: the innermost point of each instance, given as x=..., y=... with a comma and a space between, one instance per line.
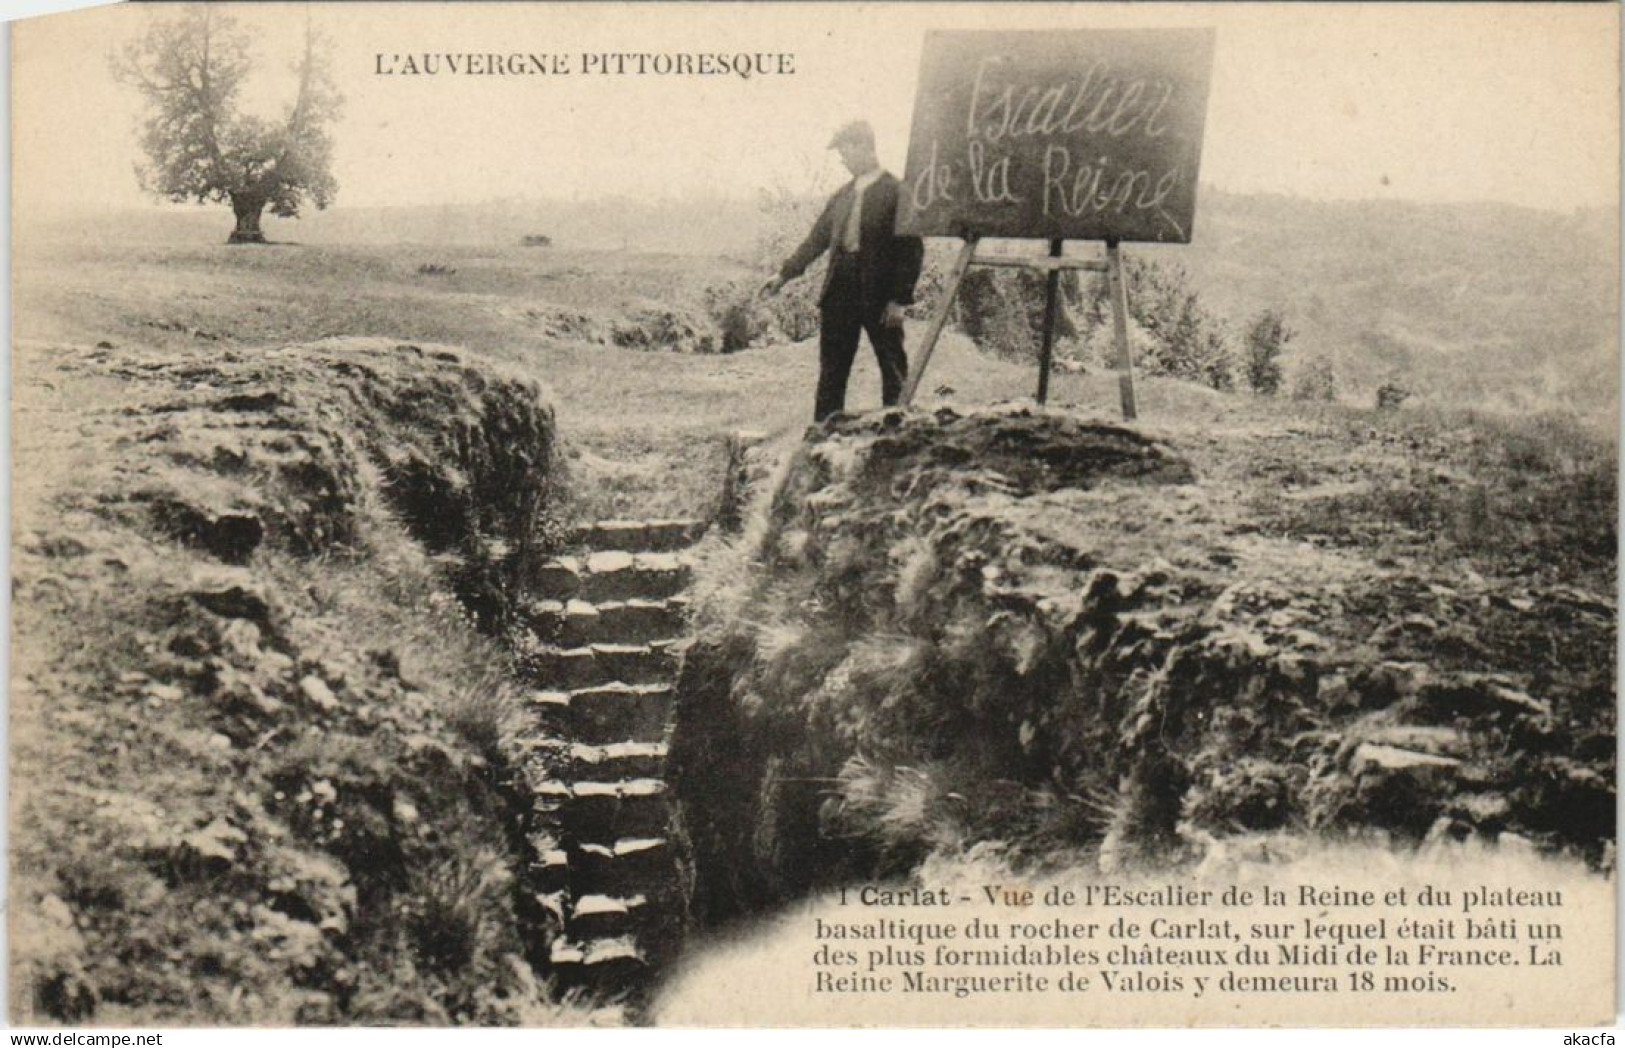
x=200, y=147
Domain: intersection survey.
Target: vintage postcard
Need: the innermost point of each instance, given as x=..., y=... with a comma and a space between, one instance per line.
x=817, y=514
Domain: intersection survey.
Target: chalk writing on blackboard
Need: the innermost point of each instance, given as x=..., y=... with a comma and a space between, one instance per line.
x=1080, y=134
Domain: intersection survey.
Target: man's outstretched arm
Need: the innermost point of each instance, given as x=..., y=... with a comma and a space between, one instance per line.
x=816, y=244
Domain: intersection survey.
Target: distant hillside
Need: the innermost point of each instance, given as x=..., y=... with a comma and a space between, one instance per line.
x=1480, y=304
x=1476, y=303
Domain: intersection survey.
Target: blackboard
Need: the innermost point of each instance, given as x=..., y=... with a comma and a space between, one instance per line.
x=1074, y=134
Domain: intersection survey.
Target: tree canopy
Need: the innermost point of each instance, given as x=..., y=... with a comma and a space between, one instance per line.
x=198, y=145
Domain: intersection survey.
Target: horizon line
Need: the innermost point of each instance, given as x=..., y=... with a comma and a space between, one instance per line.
x=23, y=210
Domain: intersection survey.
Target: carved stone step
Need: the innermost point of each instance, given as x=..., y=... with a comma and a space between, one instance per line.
x=607, y=811
x=617, y=760
x=640, y=536
x=549, y=712
x=572, y=668
x=549, y=622
x=557, y=579
x=640, y=621
x=559, y=669
x=610, y=575
x=618, y=575
x=576, y=623
x=620, y=713
x=550, y=863
x=598, y=915
x=556, y=904
x=596, y=958
x=589, y=810
x=642, y=865
x=550, y=798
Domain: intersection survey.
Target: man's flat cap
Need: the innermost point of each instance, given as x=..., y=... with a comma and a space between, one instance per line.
x=856, y=131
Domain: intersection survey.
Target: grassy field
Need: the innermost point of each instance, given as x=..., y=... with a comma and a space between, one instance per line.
x=646, y=429
x=1463, y=304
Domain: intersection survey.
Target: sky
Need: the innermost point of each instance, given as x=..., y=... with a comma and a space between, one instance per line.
x=1515, y=103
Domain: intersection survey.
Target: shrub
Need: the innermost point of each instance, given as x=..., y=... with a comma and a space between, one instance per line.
x=1002, y=310
x=1266, y=340
x=939, y=262
x=1390, y=395
x=1316, y=379
x=657, y=328
x=1099, y=346
x=1218, y=360
x=741, y=318
x=786, y=218
x=1187, y=340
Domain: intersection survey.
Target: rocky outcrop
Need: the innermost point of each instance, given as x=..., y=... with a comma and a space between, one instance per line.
x=1016, y=627
x=647, y=325
x=261, y=761
x=288, y=445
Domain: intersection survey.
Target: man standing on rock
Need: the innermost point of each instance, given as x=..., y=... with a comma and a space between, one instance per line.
x=870, y=278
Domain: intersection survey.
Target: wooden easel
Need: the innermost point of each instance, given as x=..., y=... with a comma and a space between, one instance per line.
x=1111, y=265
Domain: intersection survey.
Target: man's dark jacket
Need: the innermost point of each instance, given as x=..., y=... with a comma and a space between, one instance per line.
x=888, y=264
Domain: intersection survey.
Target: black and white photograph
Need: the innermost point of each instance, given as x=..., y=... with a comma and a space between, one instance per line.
x=808, y=515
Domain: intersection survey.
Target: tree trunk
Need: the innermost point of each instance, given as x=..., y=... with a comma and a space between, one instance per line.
x=247, y=207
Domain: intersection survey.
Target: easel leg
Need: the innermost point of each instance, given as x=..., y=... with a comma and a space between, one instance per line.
x=961, y=264
x=1046, y=351
x=1125, y=360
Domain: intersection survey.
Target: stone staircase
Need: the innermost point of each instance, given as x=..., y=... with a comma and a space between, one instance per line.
x=606, y=634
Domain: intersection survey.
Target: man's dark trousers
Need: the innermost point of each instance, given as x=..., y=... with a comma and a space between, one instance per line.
x=841, y=317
